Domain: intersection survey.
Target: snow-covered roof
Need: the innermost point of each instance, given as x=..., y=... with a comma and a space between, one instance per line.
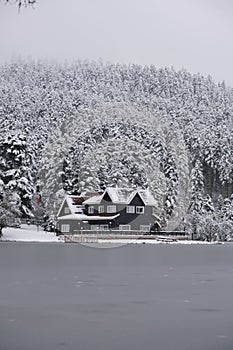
x=147, y=197
x=74, y=203
x=123, y=196
x=83, y=217
x=93, y=200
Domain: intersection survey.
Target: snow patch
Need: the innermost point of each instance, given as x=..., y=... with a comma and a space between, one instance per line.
x=28, y=233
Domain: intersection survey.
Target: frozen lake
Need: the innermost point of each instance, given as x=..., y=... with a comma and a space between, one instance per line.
x=163, y=297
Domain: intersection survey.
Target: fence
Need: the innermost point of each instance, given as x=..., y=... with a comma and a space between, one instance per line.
x=87, y=236
x=80, y=239
x=129, y=233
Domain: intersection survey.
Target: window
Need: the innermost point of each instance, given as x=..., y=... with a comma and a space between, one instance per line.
x=94, y=227
x=65, y=228
x=124, y=227
x=145, y=228
x=66, y=210
x=91, y=210
x=101, y=209
x=139, y=210
x=104, y=227
x=130, y=209
x=111, y=209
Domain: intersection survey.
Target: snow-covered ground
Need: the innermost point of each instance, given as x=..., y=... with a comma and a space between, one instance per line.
x=30, y=233
x=152, y=241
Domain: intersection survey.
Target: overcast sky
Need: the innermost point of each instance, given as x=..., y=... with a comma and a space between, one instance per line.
x=194, y=34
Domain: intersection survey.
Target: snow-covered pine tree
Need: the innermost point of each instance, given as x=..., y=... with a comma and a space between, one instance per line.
x=196, y=200
x=15, y=169
x=10, y=209
x=197, y=188
x=224, y=216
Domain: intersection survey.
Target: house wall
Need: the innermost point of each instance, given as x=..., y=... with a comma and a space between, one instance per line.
x=75, y=226
x=135, y=220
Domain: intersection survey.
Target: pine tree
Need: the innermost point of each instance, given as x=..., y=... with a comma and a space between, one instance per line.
x=10, y=209
x=197, y=188
x=196, y=200
x=15, y=169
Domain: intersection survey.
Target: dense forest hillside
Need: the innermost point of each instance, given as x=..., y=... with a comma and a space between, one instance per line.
x=86, y=125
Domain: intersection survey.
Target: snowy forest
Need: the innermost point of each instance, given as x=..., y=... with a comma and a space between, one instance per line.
x=72, y=127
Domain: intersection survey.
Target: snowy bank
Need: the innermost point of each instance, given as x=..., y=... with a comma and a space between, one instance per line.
x=28, y=233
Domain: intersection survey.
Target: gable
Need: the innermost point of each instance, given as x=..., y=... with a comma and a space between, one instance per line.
x=106, y=198
x=137, y=201
x=64, y=209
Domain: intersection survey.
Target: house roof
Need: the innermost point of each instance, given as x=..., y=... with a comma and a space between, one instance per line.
x=93, y=200
x=123, y=196
x=74, y=203
x=147, y=197
x=83, y=217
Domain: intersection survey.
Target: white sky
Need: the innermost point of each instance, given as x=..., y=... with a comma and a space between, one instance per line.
x=194, y=34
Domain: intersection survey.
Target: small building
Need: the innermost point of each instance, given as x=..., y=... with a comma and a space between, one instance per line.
x=115, y=209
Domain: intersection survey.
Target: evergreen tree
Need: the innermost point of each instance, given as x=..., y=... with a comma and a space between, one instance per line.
x=10, y=205
x=197, y=188
x=15, y=168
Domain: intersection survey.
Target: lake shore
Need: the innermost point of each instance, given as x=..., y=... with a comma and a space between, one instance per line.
x=31, y=233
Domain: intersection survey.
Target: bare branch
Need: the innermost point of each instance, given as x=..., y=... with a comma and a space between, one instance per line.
x=21, y=3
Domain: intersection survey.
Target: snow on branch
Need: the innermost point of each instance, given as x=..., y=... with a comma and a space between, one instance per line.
x=21, y=3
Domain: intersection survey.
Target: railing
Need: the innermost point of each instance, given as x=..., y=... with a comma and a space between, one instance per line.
x=129, y=233
x=31, y=221
x=80, y=239
x=88, y=236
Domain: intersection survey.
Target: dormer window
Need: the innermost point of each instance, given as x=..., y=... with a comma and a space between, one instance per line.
x=66, y=210
x=91, y=210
